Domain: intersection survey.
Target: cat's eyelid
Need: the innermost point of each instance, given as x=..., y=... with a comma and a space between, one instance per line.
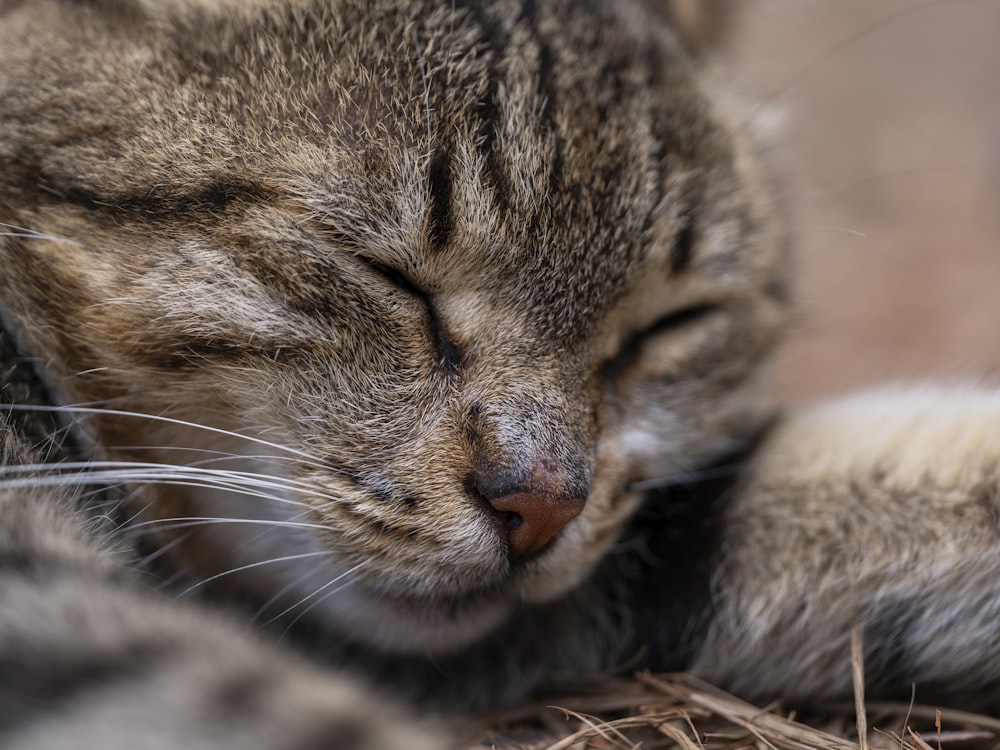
x=679, y=318
x=674, y=321
x=449, y=355
x=395, y=277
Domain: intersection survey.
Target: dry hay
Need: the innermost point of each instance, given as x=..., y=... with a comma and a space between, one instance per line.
x=680, y=712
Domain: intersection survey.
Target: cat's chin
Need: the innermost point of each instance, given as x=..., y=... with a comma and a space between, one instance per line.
x=414, y=624
x=361, y=610
x=409, y=626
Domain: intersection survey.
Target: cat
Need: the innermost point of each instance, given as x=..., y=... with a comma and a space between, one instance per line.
x=420, y=346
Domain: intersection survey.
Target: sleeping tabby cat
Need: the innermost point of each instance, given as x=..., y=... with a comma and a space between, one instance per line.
x=421, y=344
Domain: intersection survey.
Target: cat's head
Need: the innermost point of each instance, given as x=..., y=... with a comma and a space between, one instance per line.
x=464, y=272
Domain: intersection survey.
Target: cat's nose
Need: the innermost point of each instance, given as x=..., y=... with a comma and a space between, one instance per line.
x=533, y=519
x=532, y=507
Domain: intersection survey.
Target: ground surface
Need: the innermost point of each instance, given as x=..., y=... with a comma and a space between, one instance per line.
x=889, y=143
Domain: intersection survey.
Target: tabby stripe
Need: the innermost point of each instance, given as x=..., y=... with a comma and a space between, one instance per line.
x=549, y=94
x=197, y=353
x=439, y=216
x=33, y=686
x=493, y=38
x=38, y=566
x=216, y=197
x=682, y=252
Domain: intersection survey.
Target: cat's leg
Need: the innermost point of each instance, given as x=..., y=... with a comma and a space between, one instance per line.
x=880, y=511
x=90, y=658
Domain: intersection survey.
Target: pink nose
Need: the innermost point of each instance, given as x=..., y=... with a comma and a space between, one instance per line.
x=535, y=518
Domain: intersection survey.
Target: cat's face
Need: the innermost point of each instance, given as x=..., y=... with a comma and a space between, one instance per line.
x=470, y=271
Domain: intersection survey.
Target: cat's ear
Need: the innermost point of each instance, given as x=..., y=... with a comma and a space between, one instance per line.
x=702, y=25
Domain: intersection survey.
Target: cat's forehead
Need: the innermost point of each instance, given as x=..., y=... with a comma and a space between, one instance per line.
x=549, y=148
x=535, y=145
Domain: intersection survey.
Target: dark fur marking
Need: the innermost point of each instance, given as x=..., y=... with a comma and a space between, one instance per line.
x=380, y=493
x=21, y=383
x=777, y=290
x=683, y=249
x=439, y=218
x=158, y=204
x=449, y=357
x=31, y=686
x=632, y=348
x=384, y=495
x=493, y=38
x=29, y=563
x=549, y=95
x=196, y=353
x=243, y=695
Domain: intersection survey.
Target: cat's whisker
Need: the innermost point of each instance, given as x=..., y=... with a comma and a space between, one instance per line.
x=163, y=549
x=316, y=592
x=180, y=522
x=685, y=478
x=251, y=485
x=831, y=228
x=48, y=237
x=92, y=472
x=115, y=479
x=212, y=455
x=170, y=420
x=220, y=456
x=280, y=593
x=251, y=566
x=25, y=232
x=316, y=603
x=74, y=483
x=125, y=525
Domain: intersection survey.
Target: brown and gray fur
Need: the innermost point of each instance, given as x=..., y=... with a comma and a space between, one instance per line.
x=317, y=284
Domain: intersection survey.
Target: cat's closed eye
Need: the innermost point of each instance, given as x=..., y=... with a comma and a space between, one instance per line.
x=673, y=322
x=449, y=357
x=397, y=279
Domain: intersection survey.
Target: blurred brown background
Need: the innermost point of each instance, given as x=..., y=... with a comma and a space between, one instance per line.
x=888, y=143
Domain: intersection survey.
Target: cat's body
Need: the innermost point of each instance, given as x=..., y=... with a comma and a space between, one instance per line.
x=383, y=316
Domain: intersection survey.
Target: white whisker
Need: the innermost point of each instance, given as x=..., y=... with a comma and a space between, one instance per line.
x=17, y=231
x=251, y=566
x=316, y=592
x=119, y=472
x=316, y=603
x=162, y=550
x=280, y=593
x=117, y=478
x=683, y=478
x=170, y=420
x=180, y=522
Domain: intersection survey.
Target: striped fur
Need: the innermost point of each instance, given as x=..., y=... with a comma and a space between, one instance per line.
x=293, y=289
